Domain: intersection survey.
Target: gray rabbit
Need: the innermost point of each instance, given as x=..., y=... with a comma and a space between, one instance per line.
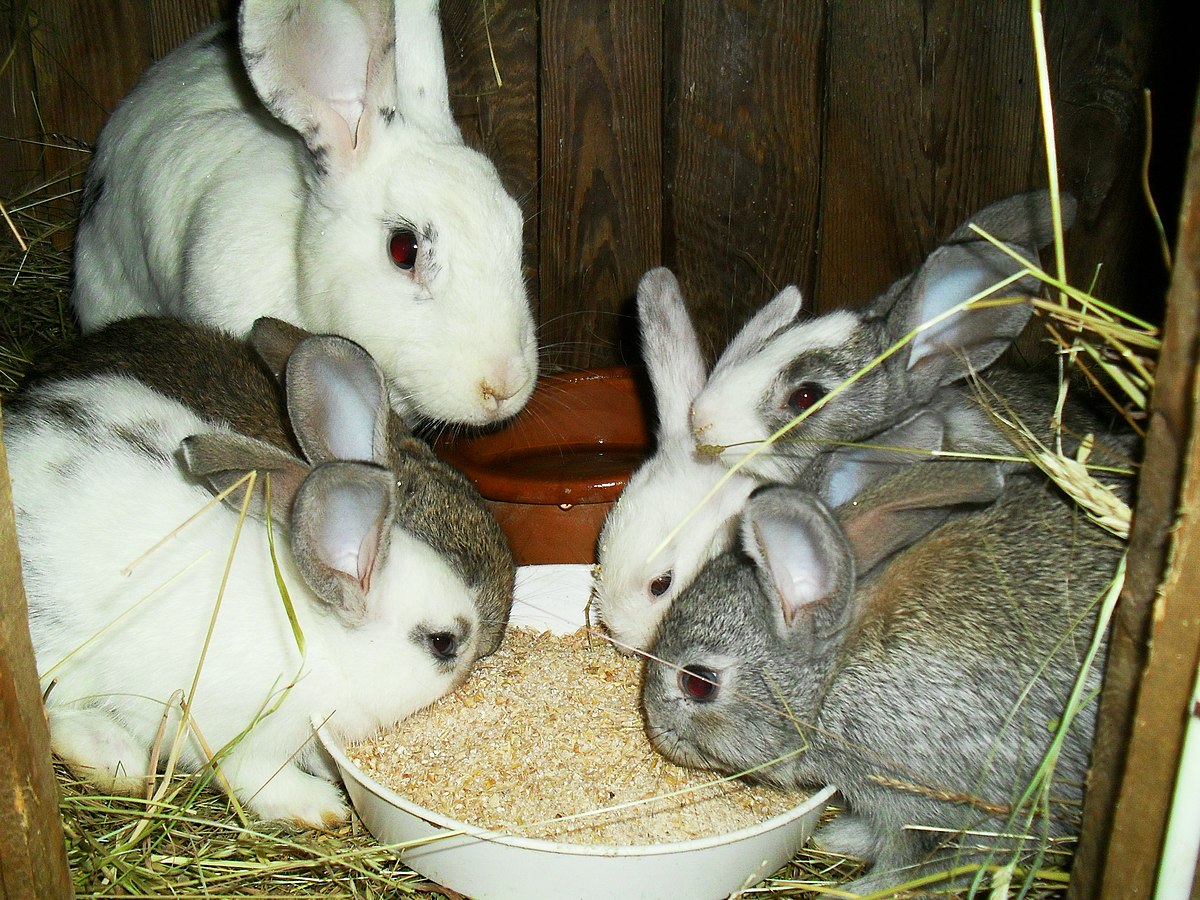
x=778, y=367
x=915, y=648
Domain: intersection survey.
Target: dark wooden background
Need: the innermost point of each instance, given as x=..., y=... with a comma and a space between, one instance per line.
x=746, y=145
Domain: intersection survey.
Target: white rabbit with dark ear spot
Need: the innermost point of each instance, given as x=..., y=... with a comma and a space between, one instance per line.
x=104, y=467
x=753, y=393
x=314, y=173
x=916, y=649
x=635, y=580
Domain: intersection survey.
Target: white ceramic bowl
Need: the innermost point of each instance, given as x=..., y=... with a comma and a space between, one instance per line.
x=491, y=866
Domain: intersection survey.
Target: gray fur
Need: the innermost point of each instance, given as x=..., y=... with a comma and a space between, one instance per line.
x=914, y=674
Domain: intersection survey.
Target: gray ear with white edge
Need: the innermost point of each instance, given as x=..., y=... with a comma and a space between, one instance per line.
x=848, y=471
x=221, y=460
x=671, y=352
x=1023, y=219
x=802, y=557
x=341, y=531
x=337, y=401
x=778, y=314
x=322, y=67
x=972, y=338
x=899, y=511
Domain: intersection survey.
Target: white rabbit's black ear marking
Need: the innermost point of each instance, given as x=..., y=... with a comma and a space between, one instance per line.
x=337, y=401
x=221, y=460
x=671, y=352
x=341, y=532
x=901, y=510
x=801, y=555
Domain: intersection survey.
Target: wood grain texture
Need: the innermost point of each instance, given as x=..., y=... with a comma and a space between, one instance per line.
x=21, y=165
x=601, y=171
x=499, y=118
x=33, y=855
x=1154, y=644
x=742, y=179
x=173, y=21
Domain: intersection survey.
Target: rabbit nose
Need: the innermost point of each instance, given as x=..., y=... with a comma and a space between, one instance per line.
x=699, y=426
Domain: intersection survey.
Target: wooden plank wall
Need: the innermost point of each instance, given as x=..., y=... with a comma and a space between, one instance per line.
x=747, y=145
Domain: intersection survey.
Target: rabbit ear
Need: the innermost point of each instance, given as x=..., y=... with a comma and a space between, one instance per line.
x=341, y=531
x=903, y=509
x=671, y=351
x=802, y=558
x=318, y=65
x=422, y=90
x=763, y=325
x=1023, y=219
x=853, y=469
x=274, y=340
x=337, y=401
x=221, y=460
x=972, y=338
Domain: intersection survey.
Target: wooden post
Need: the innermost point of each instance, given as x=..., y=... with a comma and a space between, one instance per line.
x=1155, y=642
x=33, y=857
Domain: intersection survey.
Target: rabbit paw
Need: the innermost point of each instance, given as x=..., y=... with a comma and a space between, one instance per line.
x=297, y=797
x=100, y=749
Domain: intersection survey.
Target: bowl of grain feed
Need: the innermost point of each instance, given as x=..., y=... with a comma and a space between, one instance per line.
x=535, y=780
x=552, y=472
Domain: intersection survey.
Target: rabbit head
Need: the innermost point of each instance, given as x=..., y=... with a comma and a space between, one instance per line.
x=776, y=373
x=638, y=574
x=406, y=231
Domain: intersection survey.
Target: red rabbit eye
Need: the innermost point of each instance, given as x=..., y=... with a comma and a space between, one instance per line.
x=661, y=584
x=805, y=396
x=698, y=683
x=402, y=247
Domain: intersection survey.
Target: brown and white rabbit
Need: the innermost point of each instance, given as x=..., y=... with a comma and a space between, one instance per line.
x=106, y=464
x=306, y=166
x=916, y=649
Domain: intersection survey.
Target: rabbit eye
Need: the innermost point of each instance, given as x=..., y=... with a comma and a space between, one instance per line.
x=805, y=396
x=402, y=247
x=444, y=645
x=699, y=683
x=661, y=584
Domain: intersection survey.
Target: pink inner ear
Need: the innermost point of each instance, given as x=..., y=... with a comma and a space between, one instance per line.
x=368, y=550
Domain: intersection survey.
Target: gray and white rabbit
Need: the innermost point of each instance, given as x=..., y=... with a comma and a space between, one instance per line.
x=307, y=167
x=784, y=369
x=916, y=649
x=106, y=464
x=664, y=526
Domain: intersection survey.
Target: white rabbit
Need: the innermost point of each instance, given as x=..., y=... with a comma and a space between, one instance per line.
x=104, y=467
x=781, y=372
x=634, y=583
x=315, y=174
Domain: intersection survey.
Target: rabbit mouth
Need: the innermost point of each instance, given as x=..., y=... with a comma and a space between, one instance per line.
x=678, y=750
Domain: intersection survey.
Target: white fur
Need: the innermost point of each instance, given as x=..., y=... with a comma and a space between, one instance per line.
x=88, y=507
x=666, y=492
x=662, y=495
x=212, y=210
x=725, y=413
